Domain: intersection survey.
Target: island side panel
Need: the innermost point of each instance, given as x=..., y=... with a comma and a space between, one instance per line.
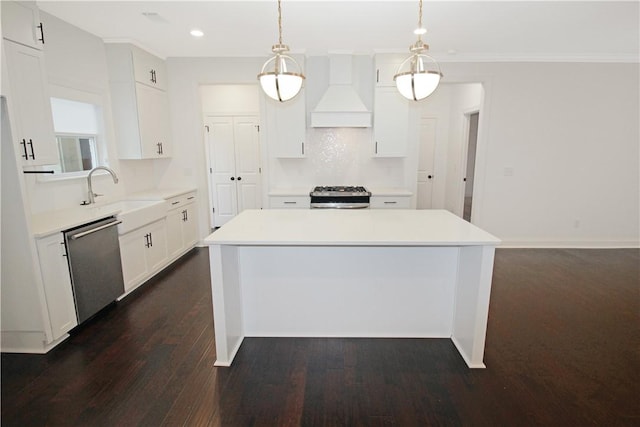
x=471, y=307
x=227, y=302
x=359, y=291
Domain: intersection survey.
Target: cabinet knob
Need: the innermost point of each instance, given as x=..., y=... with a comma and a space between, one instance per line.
x=429, y=176
x=233, y=178
x=239, y=178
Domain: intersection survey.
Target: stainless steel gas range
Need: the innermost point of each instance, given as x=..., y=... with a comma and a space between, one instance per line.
x=340, y=197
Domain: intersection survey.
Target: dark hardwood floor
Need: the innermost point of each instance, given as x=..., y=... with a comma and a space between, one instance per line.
x=563, y=349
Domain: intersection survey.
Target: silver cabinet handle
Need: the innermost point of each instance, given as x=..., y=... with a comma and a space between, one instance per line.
x=93, y=230
x=390, y=203
x=290, y=203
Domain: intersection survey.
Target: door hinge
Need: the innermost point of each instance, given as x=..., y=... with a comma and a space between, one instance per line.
x=258, y=128
x=213, y=210
x=210, y=170
x=207, y=128
x=259, y=170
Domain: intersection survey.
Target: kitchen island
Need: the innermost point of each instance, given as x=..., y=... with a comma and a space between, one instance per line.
x=351, y=273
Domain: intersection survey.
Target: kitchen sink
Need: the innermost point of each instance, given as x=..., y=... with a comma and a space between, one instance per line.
x=135, y=213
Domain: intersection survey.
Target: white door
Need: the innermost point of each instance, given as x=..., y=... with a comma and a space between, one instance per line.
x=247, y=162
x=426, y=177
x=234, y=162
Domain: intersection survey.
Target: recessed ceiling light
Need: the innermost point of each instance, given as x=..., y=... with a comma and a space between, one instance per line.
x=197, y=33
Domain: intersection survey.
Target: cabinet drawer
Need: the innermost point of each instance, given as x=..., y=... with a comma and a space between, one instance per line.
x=390, y=202
x=289, y=202
x=181, y=200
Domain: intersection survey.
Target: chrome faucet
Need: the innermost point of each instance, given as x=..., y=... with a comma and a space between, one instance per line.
x=92, y=195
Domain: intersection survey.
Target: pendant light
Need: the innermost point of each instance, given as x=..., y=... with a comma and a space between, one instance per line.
x=281, y=77
x=419, y=75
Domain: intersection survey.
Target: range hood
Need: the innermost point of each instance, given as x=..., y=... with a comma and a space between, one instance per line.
x=340, y=106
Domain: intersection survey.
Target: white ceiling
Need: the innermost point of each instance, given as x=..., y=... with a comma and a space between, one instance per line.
x=457, y=30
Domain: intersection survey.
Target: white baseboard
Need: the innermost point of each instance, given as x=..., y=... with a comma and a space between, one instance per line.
x=549, y=244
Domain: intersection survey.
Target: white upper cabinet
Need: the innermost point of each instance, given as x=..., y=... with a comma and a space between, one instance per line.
x=288, y=126
x=21, y=23
x=390, y=123
x=140, y=104
x=148, y=69
x=385, y=71
x=30, y=106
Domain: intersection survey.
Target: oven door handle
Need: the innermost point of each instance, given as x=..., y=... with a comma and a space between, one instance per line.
x=93, y=230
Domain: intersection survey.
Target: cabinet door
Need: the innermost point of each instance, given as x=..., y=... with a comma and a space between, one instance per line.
x=289, y=119
x=385, y=72
x=132, y=252
x=57, y=284
x=148, y=69
x=390, y=123
x=31, y=105
x=175, y=241
x=153, y=120
x=156, y=253
x=190, y=226
x=21, y=23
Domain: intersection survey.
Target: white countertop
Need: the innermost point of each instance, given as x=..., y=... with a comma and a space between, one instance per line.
x=48, y=223
x=159, y=193
x=379, y=191
x=349, y=227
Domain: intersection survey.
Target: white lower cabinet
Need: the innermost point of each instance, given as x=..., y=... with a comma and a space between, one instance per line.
x=57, y=284
x=143, y=252
x=390, y=202
x=182, y=224
x=289, y=202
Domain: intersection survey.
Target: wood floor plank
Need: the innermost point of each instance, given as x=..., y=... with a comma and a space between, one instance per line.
x=562, y=349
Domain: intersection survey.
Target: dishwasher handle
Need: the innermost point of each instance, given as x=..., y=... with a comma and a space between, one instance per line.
x=93, y=230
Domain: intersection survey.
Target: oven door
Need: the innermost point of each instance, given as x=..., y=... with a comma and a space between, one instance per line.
x=339, y=202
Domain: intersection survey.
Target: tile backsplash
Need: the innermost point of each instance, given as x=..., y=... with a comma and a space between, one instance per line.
x=338, y=156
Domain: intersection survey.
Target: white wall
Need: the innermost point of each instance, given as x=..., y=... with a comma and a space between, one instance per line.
x=76, y=69
x=187, y=167
x=568, y=131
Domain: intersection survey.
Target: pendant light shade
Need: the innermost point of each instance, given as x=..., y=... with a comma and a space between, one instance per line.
x=281, y=76
x=419, y=75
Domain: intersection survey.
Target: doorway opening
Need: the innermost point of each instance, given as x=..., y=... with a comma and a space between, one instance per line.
x=472, y=142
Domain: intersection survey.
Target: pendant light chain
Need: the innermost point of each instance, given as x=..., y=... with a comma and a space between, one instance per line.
x=279, y=24
x=420, y=21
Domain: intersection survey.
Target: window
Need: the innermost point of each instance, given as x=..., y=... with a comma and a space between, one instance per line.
x=78, y=127
x=77, y=153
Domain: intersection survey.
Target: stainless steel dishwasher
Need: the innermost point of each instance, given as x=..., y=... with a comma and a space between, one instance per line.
x=93, y=253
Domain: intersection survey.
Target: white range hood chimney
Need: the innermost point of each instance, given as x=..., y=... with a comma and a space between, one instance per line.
x=340, y=106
